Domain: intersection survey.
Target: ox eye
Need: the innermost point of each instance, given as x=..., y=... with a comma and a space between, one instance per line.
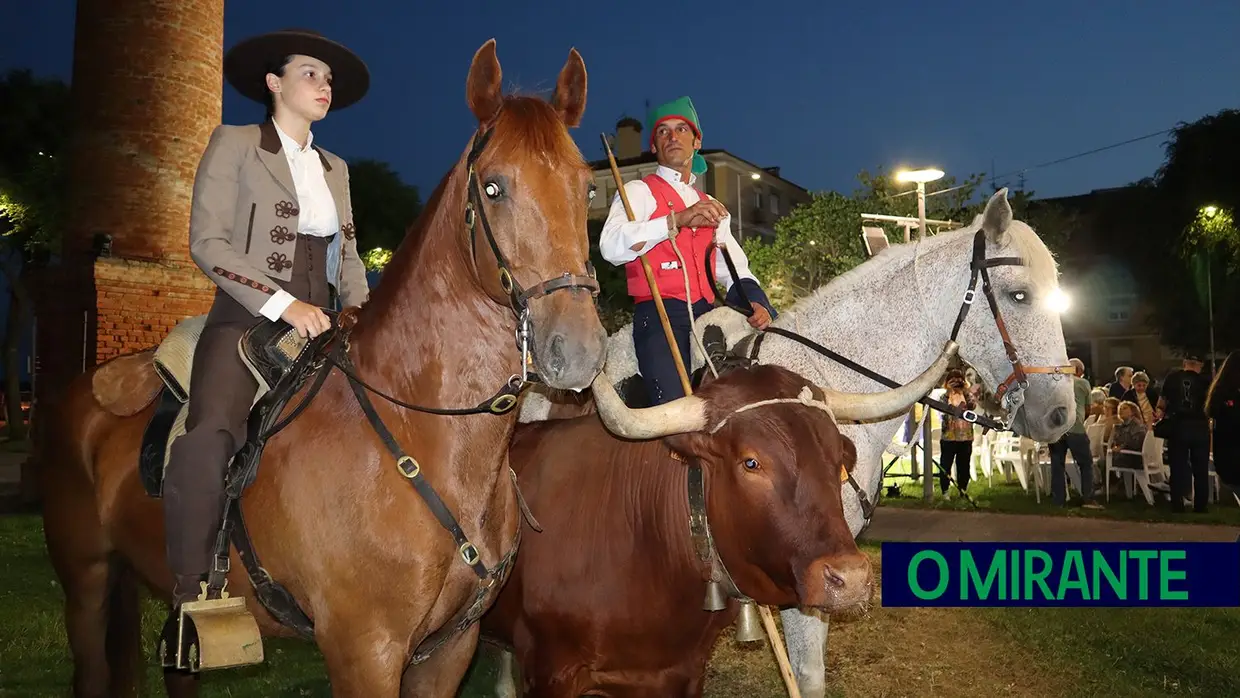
x=751, y=464
x=1019, y=296
x=493, y=190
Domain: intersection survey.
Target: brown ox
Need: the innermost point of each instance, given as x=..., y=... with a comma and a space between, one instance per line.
x=331, y=517
x=607, y=599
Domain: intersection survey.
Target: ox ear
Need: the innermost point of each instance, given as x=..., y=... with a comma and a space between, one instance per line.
x=570, y=90
x=483, y=90
x=690, y=446
x=997, y=218
x=848, y=451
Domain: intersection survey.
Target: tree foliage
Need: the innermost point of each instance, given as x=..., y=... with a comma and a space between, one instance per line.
x=384, y=207
x=820, y=240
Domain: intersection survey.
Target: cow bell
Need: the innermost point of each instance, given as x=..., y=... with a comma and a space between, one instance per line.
x=715, y=598
x=748, y=626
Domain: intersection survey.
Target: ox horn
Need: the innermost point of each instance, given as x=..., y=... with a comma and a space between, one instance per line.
x=865, y=406
x=681, y=416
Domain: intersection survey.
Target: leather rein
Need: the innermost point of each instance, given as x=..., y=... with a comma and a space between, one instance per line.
x=1010, y=393
x=333, y=352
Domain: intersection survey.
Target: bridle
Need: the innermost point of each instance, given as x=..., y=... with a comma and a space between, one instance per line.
x=518, y=297
x=1009, y=393
x=331, y=351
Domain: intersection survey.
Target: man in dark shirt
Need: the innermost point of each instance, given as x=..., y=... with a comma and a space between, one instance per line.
x=1187, y=433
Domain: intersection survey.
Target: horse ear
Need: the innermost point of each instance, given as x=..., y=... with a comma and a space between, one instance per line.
x=570, y=90
x=997, y=217
x=482, y=87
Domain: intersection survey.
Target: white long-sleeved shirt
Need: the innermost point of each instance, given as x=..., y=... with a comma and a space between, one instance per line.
x=316, y=209
x=619, y=235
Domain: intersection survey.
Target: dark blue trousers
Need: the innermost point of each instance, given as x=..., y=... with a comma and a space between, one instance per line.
x=654, y=359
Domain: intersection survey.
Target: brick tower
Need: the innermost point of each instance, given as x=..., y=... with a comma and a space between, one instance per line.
x=147, y=90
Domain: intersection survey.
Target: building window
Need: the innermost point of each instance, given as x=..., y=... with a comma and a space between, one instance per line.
x=775, y=203
x=1119, y=307
x=757, y=198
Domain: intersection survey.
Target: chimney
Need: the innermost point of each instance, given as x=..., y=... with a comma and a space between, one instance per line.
x=628, y=138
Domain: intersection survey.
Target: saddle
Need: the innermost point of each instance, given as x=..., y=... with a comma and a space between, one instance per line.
x=273, y=351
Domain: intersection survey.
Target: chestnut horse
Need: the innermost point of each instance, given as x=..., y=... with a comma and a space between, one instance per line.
x=330, y=513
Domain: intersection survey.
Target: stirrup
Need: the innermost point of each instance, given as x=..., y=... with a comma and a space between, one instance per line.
x=210, y=634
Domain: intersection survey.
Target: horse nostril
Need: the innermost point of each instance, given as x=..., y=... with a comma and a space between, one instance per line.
x=1058, y=417
x=555, y=354
x=832, y=577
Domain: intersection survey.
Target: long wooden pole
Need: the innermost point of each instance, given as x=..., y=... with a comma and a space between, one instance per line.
x=768, y=618
x=654, y=288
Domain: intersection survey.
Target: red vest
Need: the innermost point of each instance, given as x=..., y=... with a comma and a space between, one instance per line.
x=693, y=245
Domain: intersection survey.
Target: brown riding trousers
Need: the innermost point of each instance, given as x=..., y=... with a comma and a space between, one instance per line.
x=221, y=394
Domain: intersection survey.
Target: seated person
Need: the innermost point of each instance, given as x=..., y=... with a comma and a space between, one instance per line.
x=1128, y=435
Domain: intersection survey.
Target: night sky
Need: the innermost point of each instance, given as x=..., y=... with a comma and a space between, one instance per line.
x=822, y=89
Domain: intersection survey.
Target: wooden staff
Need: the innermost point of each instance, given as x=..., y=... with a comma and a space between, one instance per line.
x=654, y=289
x=768, y=619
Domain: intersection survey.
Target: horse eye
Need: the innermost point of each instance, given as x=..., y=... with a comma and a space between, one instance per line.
x=751, y=464
x=592, y=192
x=492, y=190
x=1019, y=296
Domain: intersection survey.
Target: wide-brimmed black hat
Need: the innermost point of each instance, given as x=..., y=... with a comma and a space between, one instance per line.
x=246, y=65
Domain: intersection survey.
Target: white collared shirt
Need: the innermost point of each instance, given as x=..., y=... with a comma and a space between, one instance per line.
x=619, y=235
x=316, y=209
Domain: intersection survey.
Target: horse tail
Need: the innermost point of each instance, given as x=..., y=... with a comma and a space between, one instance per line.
x=102, y=611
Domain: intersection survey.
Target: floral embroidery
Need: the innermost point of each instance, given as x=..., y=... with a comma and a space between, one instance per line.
x=348, y=230
x=280, y=235
x=286, y=209
x=278, y=261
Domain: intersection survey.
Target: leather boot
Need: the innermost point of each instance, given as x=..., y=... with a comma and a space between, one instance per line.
x=187, y=588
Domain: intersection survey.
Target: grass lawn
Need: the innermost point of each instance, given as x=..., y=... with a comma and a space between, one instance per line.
x=1008, y=498
x=890, y=652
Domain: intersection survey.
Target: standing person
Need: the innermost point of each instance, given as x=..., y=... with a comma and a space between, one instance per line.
x=272, y=226
x=956, y=440
x=1223, y=408
x=1077, y=441
x=1187, y=430
x=675, y=138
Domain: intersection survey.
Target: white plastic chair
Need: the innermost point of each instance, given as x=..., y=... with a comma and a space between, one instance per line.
x=1148, y=477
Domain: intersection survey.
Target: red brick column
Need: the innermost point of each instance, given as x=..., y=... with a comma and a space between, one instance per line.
x=147, y=90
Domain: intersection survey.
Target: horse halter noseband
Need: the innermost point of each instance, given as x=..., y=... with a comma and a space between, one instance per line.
x=1019, y=377
x=518, y=297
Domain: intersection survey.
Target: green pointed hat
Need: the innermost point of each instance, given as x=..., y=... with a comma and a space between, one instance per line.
x=681, y=108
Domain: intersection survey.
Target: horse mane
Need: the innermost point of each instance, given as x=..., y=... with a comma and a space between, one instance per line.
x=1023, y=242
x=526, y=127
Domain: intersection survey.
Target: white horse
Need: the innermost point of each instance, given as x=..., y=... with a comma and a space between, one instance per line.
x=893, y=314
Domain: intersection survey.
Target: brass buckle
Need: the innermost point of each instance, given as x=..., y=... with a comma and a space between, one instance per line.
x=407, y=471
x=503, y=403
x=469, y=554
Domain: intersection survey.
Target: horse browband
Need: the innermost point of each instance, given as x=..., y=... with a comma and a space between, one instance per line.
x=518, y=297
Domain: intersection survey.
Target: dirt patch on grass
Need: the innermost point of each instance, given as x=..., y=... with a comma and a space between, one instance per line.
x=896, y=652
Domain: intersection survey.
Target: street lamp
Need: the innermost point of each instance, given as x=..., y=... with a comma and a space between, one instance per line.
x=740, y=202
x=920, y=177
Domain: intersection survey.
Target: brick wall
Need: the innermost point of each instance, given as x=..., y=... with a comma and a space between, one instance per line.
x=137, y=302
x=147, y=92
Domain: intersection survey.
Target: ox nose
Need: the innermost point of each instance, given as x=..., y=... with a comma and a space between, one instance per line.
x=1057, y=418
x=848, y=581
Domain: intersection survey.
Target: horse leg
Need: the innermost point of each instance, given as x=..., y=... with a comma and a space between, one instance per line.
x=364, y=658
x=806, y=635
x=441, y=673
x=101, y=610
x=506, y=680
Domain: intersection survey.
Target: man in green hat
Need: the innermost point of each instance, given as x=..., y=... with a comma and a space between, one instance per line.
x=675, y=139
